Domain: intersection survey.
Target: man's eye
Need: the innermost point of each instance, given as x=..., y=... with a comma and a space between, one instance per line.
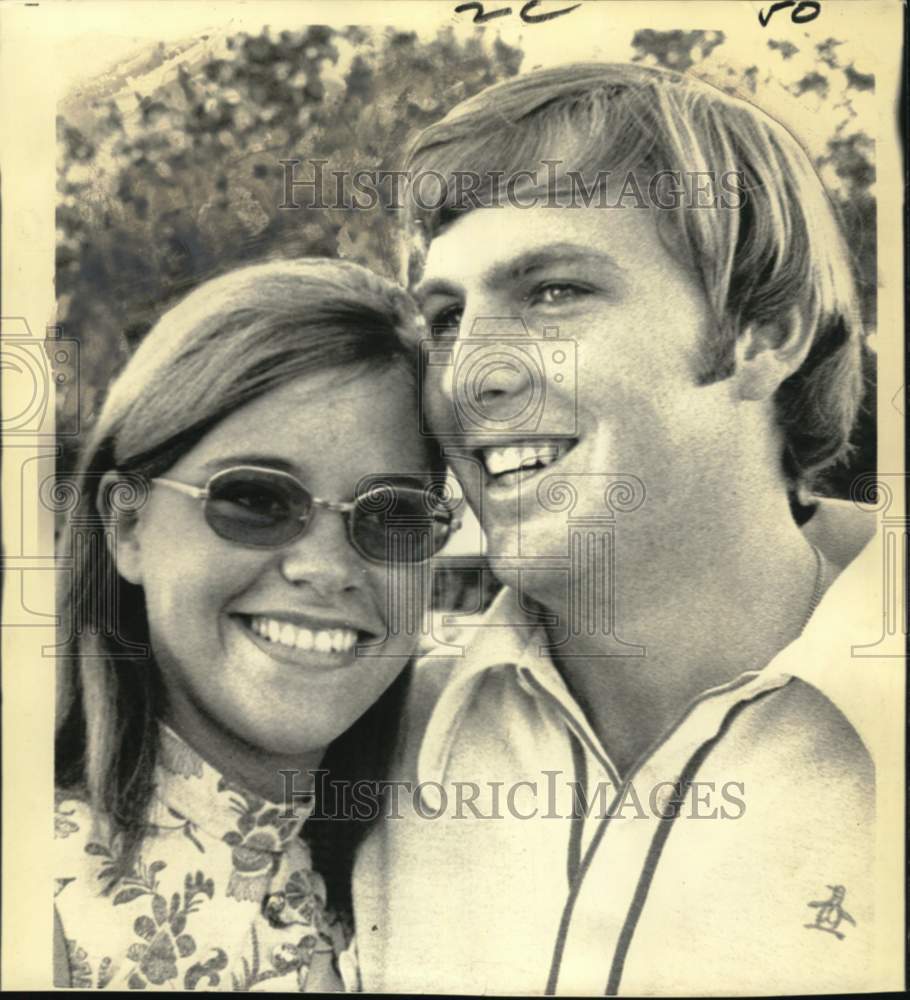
x=445, y=323
x=556, y=293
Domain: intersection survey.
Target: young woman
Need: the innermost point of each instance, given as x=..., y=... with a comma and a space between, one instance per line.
x=253, y=506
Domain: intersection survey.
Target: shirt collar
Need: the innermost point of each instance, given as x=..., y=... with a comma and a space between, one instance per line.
x=508, y=637
x=188, y=788
x=829, y=654
x=500, y=641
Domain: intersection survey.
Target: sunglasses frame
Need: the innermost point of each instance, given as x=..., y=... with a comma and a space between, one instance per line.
x=344, y=507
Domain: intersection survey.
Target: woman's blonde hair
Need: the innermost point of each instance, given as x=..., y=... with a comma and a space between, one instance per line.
x=231, y=340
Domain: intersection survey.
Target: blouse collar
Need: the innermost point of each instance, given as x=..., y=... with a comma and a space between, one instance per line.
x=189, y=788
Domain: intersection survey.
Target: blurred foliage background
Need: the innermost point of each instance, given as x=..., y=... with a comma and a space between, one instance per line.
x=169, y=172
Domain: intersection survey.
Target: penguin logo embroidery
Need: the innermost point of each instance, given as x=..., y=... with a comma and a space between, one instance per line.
x=831, y=913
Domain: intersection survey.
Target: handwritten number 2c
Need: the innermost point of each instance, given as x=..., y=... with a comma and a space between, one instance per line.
x=805, y=11
x=481, y=16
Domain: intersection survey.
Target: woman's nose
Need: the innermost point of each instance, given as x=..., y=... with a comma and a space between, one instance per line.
x=323, y=557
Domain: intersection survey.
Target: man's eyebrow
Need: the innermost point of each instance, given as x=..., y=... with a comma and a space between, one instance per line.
x=524, y=263
x=549, y=254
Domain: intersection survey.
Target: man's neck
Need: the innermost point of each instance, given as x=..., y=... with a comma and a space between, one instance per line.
x=705, y=609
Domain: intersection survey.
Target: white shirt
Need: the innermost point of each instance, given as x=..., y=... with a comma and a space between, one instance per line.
x=761, y=879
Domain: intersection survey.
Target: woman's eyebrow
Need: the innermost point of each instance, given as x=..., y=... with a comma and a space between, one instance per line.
x=256, y=459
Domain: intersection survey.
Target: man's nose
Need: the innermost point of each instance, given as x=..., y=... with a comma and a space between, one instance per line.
x=494, y=378
x=489, y=378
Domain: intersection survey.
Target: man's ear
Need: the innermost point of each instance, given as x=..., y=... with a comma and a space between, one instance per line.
x=769, y=353
x=122, y=540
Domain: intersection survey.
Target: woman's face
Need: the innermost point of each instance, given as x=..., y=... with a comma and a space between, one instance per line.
x=211, y=602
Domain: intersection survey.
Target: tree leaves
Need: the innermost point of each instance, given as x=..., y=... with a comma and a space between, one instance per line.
x=161, y=190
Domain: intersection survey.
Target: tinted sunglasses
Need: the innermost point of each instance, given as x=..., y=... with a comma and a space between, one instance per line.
x=267, y=508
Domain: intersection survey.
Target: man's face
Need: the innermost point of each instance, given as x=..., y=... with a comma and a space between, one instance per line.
x=637, y=320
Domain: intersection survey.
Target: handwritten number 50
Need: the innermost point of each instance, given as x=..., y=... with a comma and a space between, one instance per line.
x=806, y=11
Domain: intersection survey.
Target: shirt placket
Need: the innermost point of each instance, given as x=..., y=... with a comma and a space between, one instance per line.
x=623, y=850
x=595, y=774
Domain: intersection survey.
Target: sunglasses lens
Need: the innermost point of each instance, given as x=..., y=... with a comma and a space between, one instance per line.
x=256, y=508
x=401, y=521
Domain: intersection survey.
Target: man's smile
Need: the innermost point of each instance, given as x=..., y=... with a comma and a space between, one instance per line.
x=505, y=465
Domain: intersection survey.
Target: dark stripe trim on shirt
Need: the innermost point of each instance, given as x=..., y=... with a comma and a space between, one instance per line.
x=575, y=887
x=579, y=809
x=657, y=846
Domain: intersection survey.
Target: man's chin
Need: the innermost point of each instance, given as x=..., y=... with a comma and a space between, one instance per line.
x=532, y=557
x=545, y=588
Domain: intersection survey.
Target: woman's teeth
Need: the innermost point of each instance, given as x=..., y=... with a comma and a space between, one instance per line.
x=334, y=640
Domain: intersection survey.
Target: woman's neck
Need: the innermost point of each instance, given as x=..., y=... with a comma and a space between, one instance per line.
x=273, y=776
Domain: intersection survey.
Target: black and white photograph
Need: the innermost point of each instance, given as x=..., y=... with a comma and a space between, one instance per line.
x=454, y=535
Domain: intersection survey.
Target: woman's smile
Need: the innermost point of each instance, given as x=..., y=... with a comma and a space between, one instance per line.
x=311, y=646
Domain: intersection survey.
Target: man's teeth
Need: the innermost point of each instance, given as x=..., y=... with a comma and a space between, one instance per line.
x=501, y=460
x=333, y=640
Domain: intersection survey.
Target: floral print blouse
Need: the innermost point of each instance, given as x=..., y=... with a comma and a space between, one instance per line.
x=222, y=895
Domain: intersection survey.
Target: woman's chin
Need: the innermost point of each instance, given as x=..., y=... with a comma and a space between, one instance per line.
x=292, y=741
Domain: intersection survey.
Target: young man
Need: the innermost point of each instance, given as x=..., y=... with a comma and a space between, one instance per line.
x=650, y=768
